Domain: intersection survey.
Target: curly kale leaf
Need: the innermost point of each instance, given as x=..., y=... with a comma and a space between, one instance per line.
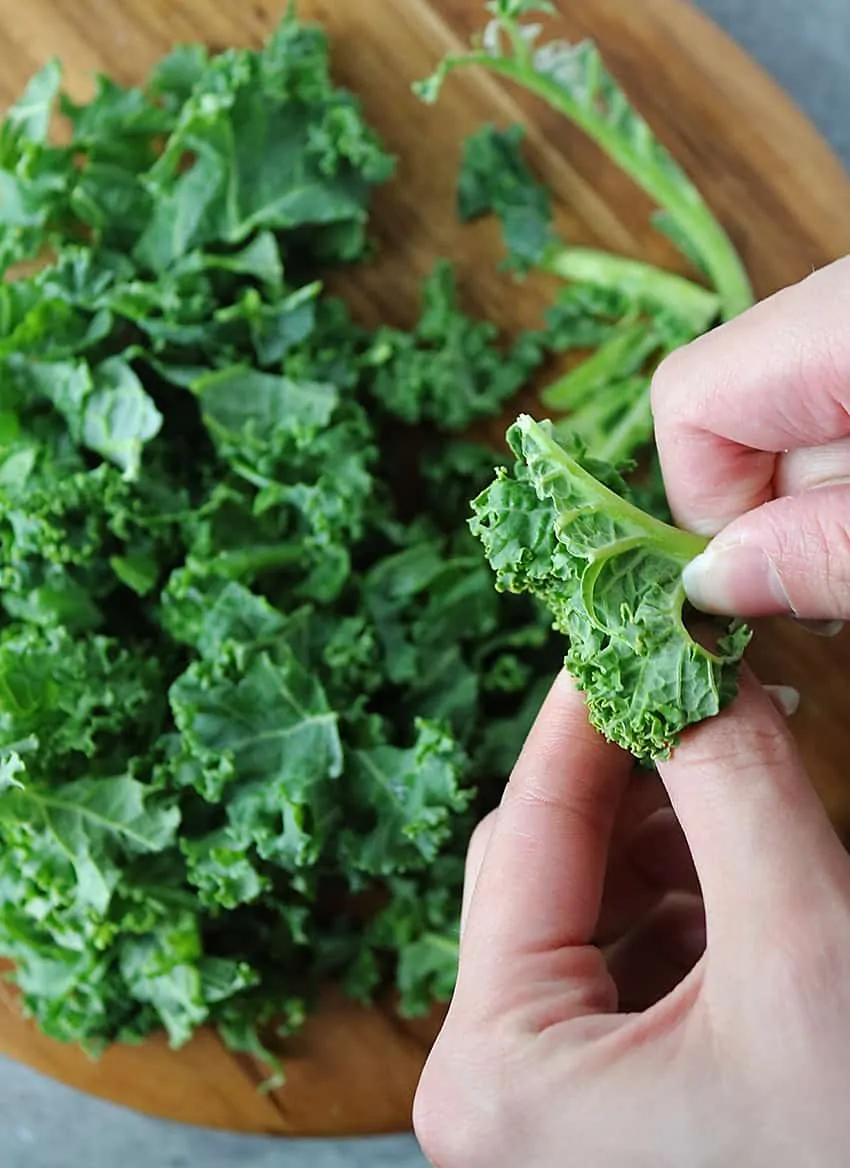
x=611, y=577
x=276, y=146
x=398, y=794
x=92, y=824
x=495, y=179
x=252, y=665
x=451, y=370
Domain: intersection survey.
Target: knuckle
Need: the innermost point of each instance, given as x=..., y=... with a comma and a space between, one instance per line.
x=587, y=816
x=765, y=749
x=823, y=367
x=768, y=749
x=578, y=808
x=812, y=532
x=833, y=540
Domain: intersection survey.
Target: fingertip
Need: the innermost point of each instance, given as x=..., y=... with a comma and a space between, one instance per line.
x=736, y=579
x=789, y=556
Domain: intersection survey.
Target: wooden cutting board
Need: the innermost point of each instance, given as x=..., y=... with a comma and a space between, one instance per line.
x=778, y=189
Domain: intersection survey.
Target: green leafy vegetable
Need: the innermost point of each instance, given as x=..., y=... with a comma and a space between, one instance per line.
x=494, y=179
x=256, y=684
x=252, y=665
x=451, y=369
x=611, y=577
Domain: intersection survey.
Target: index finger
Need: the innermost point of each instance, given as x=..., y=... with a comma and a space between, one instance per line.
x=776, y=378
x=540, y=885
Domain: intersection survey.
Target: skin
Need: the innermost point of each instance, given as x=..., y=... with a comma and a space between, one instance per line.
x=753, y=431
x=605, y=1013
x=656, y=970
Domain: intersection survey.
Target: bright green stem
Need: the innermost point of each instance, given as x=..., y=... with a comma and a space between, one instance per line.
x=633, y=430
x=671, y=190
x=242, y=563
x=614, y=424
x=680, y=545
x=595, y=417
x=649, y=286
x=625, y=351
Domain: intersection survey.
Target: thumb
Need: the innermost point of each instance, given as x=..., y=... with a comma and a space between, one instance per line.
x=790, y=556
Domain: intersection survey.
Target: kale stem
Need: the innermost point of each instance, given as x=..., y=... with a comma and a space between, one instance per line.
x=239, y=563
x=667, y=185
x=442, y=941
x=628, y=346
x=646, y=284
x=680, y=545
x=633, y=430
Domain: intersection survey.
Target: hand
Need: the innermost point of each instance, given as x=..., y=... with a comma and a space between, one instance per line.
x=753, y=430
x=738, y=1055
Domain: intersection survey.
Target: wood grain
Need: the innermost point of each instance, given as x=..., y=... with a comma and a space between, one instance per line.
x=782, y=195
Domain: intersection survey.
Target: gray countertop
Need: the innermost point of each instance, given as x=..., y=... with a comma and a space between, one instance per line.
x=42, y=1125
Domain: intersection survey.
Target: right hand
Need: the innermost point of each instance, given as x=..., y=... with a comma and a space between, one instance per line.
x=753, y=432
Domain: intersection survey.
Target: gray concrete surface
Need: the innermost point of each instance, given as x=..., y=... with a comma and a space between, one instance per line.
x=806, y=47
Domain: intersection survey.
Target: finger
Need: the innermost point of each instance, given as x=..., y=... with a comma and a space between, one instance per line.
x=644, y=795
x=791, y=556
x=539, y=887
x=772, y=380
x=812, y=467
x=655, y=860
x=626, y=896
x=757, y=831
x=648, y=963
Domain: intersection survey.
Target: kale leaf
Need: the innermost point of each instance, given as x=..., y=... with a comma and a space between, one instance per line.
x=559, y=526
x=495, y=179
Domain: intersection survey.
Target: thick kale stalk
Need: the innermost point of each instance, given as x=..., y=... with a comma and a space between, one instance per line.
x=629, y=313
x=573, y=80
x=611, y=577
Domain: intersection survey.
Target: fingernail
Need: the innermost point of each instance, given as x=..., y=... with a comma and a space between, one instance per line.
x=785, y=698
x=736, y=581
x=822, y=628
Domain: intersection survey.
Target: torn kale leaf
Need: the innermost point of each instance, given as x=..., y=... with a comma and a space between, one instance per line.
x=560, y=527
